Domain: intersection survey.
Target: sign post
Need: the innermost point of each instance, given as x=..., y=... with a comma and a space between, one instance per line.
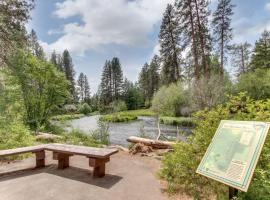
x=233, y=154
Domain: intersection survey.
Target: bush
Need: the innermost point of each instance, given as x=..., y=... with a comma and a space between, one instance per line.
x=85, y=109
x=70, y=108
x=15, y=135
x=169, y=100
x=179, y=167
x=256, y=84
x=118, y=106
x=209, y=92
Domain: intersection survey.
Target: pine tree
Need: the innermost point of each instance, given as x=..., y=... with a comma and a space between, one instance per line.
x=106, y=84
x=144, y=82
x=154, y=69
x=70, y=73
x=13, y=17
x=241, y=55
x=56, y=60
x=169, y=43
x=117, y=78
x=81, y=87
x=222, y=18
x=35, y=47
x=193, y=19
x=86, y=89
x=261, y=56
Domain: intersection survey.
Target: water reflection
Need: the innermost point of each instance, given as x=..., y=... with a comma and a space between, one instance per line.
x=119, y=132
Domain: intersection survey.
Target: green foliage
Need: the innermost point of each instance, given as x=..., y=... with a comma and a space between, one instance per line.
x=78, y=137
x=169, y=99
x=126, y=116
x=178, y=121
x=102, y=133
x=43, y=87
x=118, y=106
x=260, y=58
x=256, y=84
x=179, y=167
x=85, y=109
x=132, y=96
x=15, y=134
x=67, y=117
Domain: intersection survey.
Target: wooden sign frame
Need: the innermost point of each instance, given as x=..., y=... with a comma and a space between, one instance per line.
x=233, y=153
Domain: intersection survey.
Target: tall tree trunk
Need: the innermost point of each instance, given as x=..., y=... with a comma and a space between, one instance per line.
x=202, y=42
x=195, y=53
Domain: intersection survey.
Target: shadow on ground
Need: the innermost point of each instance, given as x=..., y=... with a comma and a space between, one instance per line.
x=73, y=173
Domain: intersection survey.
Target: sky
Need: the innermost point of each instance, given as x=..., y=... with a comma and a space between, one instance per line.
x=98, y=30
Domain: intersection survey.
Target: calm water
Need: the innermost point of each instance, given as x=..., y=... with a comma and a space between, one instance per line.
x=119, y=132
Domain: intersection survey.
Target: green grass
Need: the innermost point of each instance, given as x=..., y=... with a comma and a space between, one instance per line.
x=126, y=116
x=67, y=117
x=178, y=121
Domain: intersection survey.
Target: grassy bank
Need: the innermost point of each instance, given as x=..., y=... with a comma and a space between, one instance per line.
x=71, y=116
x=178, y=121
x=126, y=116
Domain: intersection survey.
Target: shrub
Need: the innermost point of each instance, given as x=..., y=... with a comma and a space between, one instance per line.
x=15, y=135
x=70, y=108
x=85, y=109
x=78, y=137
x=256, y=84
x=169, y=99
x=179, y=167
x=102, y=133
x=118, y=106
x=209, y=92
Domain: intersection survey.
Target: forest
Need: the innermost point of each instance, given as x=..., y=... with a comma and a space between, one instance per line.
x=199, y=77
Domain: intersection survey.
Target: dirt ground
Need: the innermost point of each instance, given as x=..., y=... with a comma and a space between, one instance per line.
x=127, y=177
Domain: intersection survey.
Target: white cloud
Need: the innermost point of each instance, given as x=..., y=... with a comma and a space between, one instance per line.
x=121, y=22
x=267, y=6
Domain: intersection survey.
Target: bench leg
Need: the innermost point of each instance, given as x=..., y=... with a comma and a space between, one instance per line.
x=40, y=159
x=63, y=160
x=99, y=166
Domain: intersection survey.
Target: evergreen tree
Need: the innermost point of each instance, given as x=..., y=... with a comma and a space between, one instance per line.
x=34, y=46
x=81, y=87
x=106, y=84
x=240, y=55
x=193, y=16
x=261, y=55
x=222, y=28
x=86, y=90
x=144, y=83
x=154, y=69
x=117, y=78
x=56, y=60
x=169, y=43
x=13, y=16
x=70, y=73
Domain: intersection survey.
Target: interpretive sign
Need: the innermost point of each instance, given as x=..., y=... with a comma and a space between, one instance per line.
x=232, y=156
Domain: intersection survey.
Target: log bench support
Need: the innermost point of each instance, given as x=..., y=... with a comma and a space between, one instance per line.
x=99, y=166
x=40, y=159
x=63, y=159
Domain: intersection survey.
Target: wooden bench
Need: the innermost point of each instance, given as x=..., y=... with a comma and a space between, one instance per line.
x=98, y=157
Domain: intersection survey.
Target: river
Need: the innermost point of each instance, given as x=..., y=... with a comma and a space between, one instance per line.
x=119, y=132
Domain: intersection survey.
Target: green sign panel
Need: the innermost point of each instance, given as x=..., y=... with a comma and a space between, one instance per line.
x=232, y=156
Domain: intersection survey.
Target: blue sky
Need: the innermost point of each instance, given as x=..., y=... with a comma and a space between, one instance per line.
x=96, y=30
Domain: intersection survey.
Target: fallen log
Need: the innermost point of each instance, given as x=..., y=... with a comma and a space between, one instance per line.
x=157, y=144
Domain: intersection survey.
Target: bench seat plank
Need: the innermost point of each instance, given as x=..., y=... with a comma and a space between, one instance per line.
x=81, y=150
x=31, y=149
